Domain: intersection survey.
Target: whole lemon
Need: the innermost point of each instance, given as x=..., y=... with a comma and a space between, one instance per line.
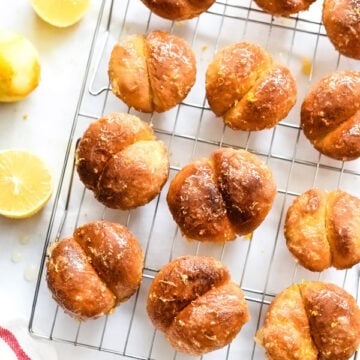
x=19, y=67
x=60, y=13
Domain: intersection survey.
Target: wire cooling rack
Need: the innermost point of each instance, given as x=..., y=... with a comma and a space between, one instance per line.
x=261, y=264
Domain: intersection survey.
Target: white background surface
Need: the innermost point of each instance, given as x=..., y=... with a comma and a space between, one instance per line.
x=41, y=124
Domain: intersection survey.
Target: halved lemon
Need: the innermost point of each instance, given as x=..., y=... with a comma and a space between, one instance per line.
x=60, y=13
x=20, y=68
x=25, y=183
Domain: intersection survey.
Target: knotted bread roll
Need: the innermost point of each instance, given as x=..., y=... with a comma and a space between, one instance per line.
x=152, y=72
x=194, y=302
x=248, y=89
x=322, y=229
x=216, y=198
x=284, y=7
x=119, y=159
x=330, y=115
x=178, y=10
x=310, y=321
x=95, y=270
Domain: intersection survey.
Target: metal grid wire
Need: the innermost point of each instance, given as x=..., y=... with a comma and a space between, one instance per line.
x=261, y=265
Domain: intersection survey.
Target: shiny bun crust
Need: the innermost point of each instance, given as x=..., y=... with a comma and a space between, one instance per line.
x=310, y=321
x=330, y=115
x=284, y=7
x=342, y=25
x=248, y=89
x=193, y=301
x=152, y=72
x=178, y=10
x=119, y=159
x=216, y=198
x=95, y=270
x=322, y=229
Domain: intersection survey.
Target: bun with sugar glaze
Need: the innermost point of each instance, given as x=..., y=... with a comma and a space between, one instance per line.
x=152, y=72
x=216, y=198
x=194, y=302
x=96, y=269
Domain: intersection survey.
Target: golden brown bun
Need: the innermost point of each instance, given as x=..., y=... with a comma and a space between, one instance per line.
x=74, y=283
x=115, y=255
x=330, y=115
x=214, y=199
x=334, y=319
x=119, y=159
x=323, y=229
x=310, y=321
x=93, y=271
x=248, y=89
x=286, y=331
x=342, y=25
x=193, y=301
x=152, y=72
x=134, y=176
x=178, y=10
x=196, y=204
x=284, y=7
x=305, y=230
x=105, y=138
x=343, y=228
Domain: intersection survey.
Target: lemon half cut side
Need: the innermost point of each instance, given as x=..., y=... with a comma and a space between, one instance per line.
x=60, y=13
x=25, y=183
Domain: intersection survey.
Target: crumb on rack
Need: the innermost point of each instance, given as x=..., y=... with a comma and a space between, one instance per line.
x=306, y=66
x=248, y=236
x=25, y=116
x=204, y=48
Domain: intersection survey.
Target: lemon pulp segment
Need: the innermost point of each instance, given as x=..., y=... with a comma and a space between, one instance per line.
x=25, y=183
x=60, y=13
